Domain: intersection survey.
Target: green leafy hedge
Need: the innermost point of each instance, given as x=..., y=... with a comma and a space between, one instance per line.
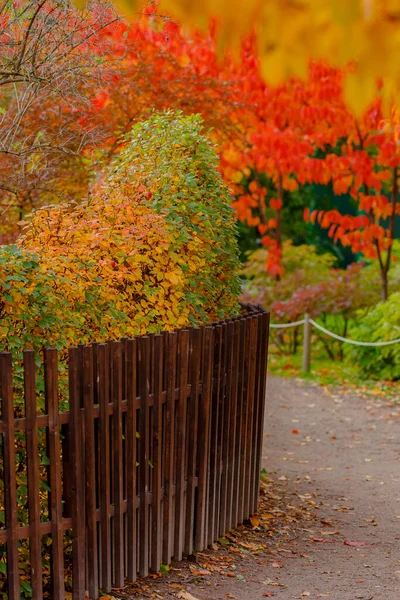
x=178, y=165
x=382, y=324
x=153, y=248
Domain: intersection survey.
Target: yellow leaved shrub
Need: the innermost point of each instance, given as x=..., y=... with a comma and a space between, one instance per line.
x=152, y=248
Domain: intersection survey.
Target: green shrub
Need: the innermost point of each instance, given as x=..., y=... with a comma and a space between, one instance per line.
x=31, y=311
x=382, y=324
x=153, y=248
x=178, y=166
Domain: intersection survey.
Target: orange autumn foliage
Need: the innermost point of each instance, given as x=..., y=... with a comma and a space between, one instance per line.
x=144, y=252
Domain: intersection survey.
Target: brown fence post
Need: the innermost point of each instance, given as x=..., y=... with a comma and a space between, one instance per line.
x=55, y=473
x=104, y=442
x=10, y=484
x=131, y=443
x=192, y=421
x=181, y=443
x=144, y=439
x=169, y=446
x=238, y=444
x=244, y=453
x=233, y=396
x=117, y=462
x=213, y=452
x=90, y=472
x=78, y=504
x=203, y=464
x=264, y=325
x=35, y=545
x=226, y=456
x=251, y=434
x=156, y=539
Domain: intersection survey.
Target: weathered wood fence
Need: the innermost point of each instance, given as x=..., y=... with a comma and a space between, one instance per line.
x=157, y=456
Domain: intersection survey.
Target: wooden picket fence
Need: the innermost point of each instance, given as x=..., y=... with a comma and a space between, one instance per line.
x=157, y=456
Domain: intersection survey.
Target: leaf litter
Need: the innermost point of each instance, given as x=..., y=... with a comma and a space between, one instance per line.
x=266, y=539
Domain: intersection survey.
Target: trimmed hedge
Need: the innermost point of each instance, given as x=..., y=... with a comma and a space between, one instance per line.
x=153, y=248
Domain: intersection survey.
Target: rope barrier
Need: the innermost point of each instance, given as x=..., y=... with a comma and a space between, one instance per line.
x=284, y=325
x=354, y=342
x=334, y=335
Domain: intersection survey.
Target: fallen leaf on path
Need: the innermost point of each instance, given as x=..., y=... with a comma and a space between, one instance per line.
x=267, y=594
x=254, y=521
x=295, y=431
x=230, y=596
x=249, y=546
x=277, y=566
x=268, y=516
x=272, y=582
x=322, y=540
x=346, y=543
x=186, y=596
x=200, y=572
x=326, y=524
x=306, y=594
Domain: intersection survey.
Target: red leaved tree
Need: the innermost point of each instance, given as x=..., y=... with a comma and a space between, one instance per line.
x=367, y=168
x=287, y=125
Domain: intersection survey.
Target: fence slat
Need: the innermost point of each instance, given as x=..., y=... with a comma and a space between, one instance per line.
x=35, y=549
x=212, y=497
x=264, y=327
x=77, y=496
x=144, y=441
x=131, y=442
x=10, y=484
x=54, y=455
x=203, y=472
x=233, y=395
x=117, y=474
x=104, y=442
x=192, y=424
x=169, y=446
x=90, y=472
x=221, y=431
x=244, y=425
x=256, y=417
x=238, y=443
x=181, y=443
x=251, y=435
x=156, y=540
x=226, y=430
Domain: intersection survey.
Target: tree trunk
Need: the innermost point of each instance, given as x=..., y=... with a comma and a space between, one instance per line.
x=384, y=285
x=384, y=265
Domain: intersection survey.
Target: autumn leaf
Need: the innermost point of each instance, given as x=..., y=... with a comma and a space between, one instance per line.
x=186, y=596
x=254, y=521
x=357, y=544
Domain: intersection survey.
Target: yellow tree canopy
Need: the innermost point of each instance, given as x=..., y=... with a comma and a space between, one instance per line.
x=290, y=32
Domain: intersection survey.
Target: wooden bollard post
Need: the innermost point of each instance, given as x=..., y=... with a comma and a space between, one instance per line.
x=307, y=344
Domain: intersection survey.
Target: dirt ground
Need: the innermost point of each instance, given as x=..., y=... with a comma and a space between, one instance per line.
x=329, y=518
